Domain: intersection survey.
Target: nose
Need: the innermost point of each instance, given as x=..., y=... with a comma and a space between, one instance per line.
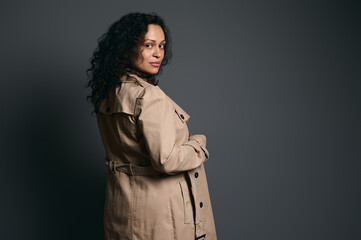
x=157, y=52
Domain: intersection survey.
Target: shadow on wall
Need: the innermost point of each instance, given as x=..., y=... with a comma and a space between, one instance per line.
x=52, y=189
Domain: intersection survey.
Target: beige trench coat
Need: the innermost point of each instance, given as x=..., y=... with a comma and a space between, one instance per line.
x=156, y=182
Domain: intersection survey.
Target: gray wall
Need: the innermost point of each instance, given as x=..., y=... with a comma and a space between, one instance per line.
x=274, y=85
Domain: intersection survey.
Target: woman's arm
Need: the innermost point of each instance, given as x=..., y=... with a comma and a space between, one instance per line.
x=155, y=118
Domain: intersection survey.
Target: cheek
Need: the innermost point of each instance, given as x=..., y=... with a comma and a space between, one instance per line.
x=141, y=56
x=136, y=60
x=146, y=55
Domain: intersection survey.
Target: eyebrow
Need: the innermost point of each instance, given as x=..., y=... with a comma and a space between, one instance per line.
x=153, y=40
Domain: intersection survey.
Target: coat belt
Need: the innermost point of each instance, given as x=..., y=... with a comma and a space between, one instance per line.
x=131, y=169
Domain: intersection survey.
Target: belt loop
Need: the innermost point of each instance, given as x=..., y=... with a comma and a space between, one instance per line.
x=131, y=169
x=111, y=165
x=114, y=167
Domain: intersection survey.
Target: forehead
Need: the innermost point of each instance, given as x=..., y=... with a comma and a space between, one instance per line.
x=155, y=32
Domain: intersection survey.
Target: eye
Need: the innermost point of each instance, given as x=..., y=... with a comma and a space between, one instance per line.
x=162, y=45
x=148, y=45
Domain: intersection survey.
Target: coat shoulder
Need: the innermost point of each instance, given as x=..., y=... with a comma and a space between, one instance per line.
x=155, y=96
x=123, y=98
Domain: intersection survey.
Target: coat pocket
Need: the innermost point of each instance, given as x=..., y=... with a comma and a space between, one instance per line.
x=186, y=202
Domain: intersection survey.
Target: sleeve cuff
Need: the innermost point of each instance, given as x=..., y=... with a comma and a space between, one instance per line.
x=202, y=141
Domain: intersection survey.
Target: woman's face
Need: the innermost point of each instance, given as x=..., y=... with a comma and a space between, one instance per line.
x=151, y=51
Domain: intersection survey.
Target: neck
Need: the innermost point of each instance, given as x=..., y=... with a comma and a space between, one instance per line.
x=146, y=76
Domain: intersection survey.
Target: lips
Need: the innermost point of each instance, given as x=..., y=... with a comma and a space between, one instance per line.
x=155, y=64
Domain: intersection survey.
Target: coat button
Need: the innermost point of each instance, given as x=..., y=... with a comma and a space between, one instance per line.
x=182, y=116
x=196, y=175
x=201, y=204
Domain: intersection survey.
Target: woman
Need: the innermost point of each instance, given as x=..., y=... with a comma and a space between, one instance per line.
x=156, y=183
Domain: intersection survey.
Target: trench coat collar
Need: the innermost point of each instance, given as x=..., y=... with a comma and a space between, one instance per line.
x=130, y=77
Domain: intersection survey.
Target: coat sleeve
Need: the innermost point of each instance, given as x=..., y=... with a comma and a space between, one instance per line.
x=156, y=121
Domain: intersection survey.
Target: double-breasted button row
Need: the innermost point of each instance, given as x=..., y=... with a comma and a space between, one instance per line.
x=196, y=176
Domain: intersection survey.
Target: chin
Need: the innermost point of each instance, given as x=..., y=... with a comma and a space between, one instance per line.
x=148, y=70
x=153, y=72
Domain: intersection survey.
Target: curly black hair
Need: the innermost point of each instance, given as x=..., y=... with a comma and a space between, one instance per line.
x=116, y=50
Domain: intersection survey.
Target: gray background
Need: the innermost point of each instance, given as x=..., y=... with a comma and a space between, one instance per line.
x=274, y=85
